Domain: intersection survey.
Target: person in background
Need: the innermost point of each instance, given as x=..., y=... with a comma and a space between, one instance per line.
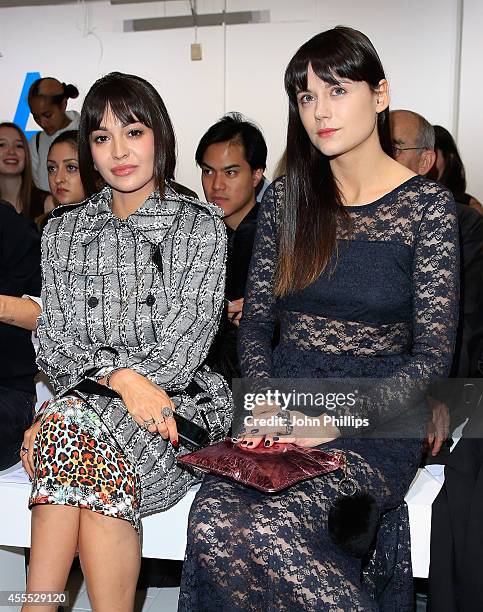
x=456, y=533
x=232, y=155
x=19, y=275
x=47, y=99
x=16, y=184
x=449, y=169
x=67, y=189
x=64, y=177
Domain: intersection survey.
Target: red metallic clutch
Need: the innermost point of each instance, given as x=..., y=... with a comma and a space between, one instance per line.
x=267, y=469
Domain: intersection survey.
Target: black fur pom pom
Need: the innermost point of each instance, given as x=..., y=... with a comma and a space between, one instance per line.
x=353, y=522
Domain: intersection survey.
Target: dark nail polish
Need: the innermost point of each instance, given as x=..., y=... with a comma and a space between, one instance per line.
x=175, y=443
x=254, y=431
x=276, y=438
x=250, y=444
x=234, y=440
x=244, y=443
x=267, y=443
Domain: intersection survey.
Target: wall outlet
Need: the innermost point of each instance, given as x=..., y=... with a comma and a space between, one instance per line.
x=196, y=53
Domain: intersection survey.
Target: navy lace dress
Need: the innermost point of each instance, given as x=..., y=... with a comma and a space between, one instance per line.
x=388, y=309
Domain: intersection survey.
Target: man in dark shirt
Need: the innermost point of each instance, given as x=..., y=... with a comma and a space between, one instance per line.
x=232, y=156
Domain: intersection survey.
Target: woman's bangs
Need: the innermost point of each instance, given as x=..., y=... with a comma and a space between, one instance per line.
x=122, y=102
x=332, y=58
x=341, y=62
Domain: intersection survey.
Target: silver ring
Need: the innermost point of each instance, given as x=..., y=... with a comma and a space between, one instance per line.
x=23, y=450
x=285, y=420
x=347, y=486
x=158, y=422
x=147, y=423
x=167, y=412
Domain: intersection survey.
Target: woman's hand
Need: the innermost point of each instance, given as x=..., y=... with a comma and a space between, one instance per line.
x=28, y=443
x=234, y=311
x=145, y=401
x=290, y=427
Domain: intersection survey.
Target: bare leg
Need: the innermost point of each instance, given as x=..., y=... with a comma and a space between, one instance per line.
x=55, y=530
x=110, y=557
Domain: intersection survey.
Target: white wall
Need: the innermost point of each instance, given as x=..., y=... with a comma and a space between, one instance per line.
x=416, y=41
x=470, y=127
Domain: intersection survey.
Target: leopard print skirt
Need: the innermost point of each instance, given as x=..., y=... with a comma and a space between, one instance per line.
x=77, y=463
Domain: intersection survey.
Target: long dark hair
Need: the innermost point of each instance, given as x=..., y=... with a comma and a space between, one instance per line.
x=313, y=202
x=27, y=185
x=453, y=176
x=131, y=99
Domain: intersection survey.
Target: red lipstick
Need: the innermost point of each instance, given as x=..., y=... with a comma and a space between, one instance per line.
x=325, y=133
x=123, y=170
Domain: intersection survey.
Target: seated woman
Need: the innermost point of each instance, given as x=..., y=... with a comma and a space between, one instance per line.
x=67, y=189
x=16, y=183
x=132, y=292
x=357, y=258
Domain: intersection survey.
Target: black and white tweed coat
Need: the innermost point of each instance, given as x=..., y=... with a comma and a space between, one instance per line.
x=144, y=293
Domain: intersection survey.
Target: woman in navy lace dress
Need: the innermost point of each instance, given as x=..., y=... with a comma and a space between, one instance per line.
x=357, y=258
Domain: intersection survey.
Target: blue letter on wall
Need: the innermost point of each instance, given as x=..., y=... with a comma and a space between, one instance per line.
x=23, y=112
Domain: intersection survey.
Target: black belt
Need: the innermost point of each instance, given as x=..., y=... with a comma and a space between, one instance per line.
x=91, y=387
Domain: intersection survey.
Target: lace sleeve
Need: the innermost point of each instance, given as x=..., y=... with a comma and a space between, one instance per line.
x=258, y=320
x=435, y=277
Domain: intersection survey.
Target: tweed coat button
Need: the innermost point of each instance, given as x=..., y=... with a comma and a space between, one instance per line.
x=92, y=302
x=150, y=300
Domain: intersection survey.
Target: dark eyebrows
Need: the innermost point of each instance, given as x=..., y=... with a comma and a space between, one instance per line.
x=232, y=167
x=102, y=128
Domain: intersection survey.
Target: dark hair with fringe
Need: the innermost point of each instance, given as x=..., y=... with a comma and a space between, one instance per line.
x=68, y=91
x=70, y=136
x=233, y=127
x=313, y=203
x=453, y=176
x=131, y=99
x=27, y=185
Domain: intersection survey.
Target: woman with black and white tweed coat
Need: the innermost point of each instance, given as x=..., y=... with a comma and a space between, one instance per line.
x=132, y=289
